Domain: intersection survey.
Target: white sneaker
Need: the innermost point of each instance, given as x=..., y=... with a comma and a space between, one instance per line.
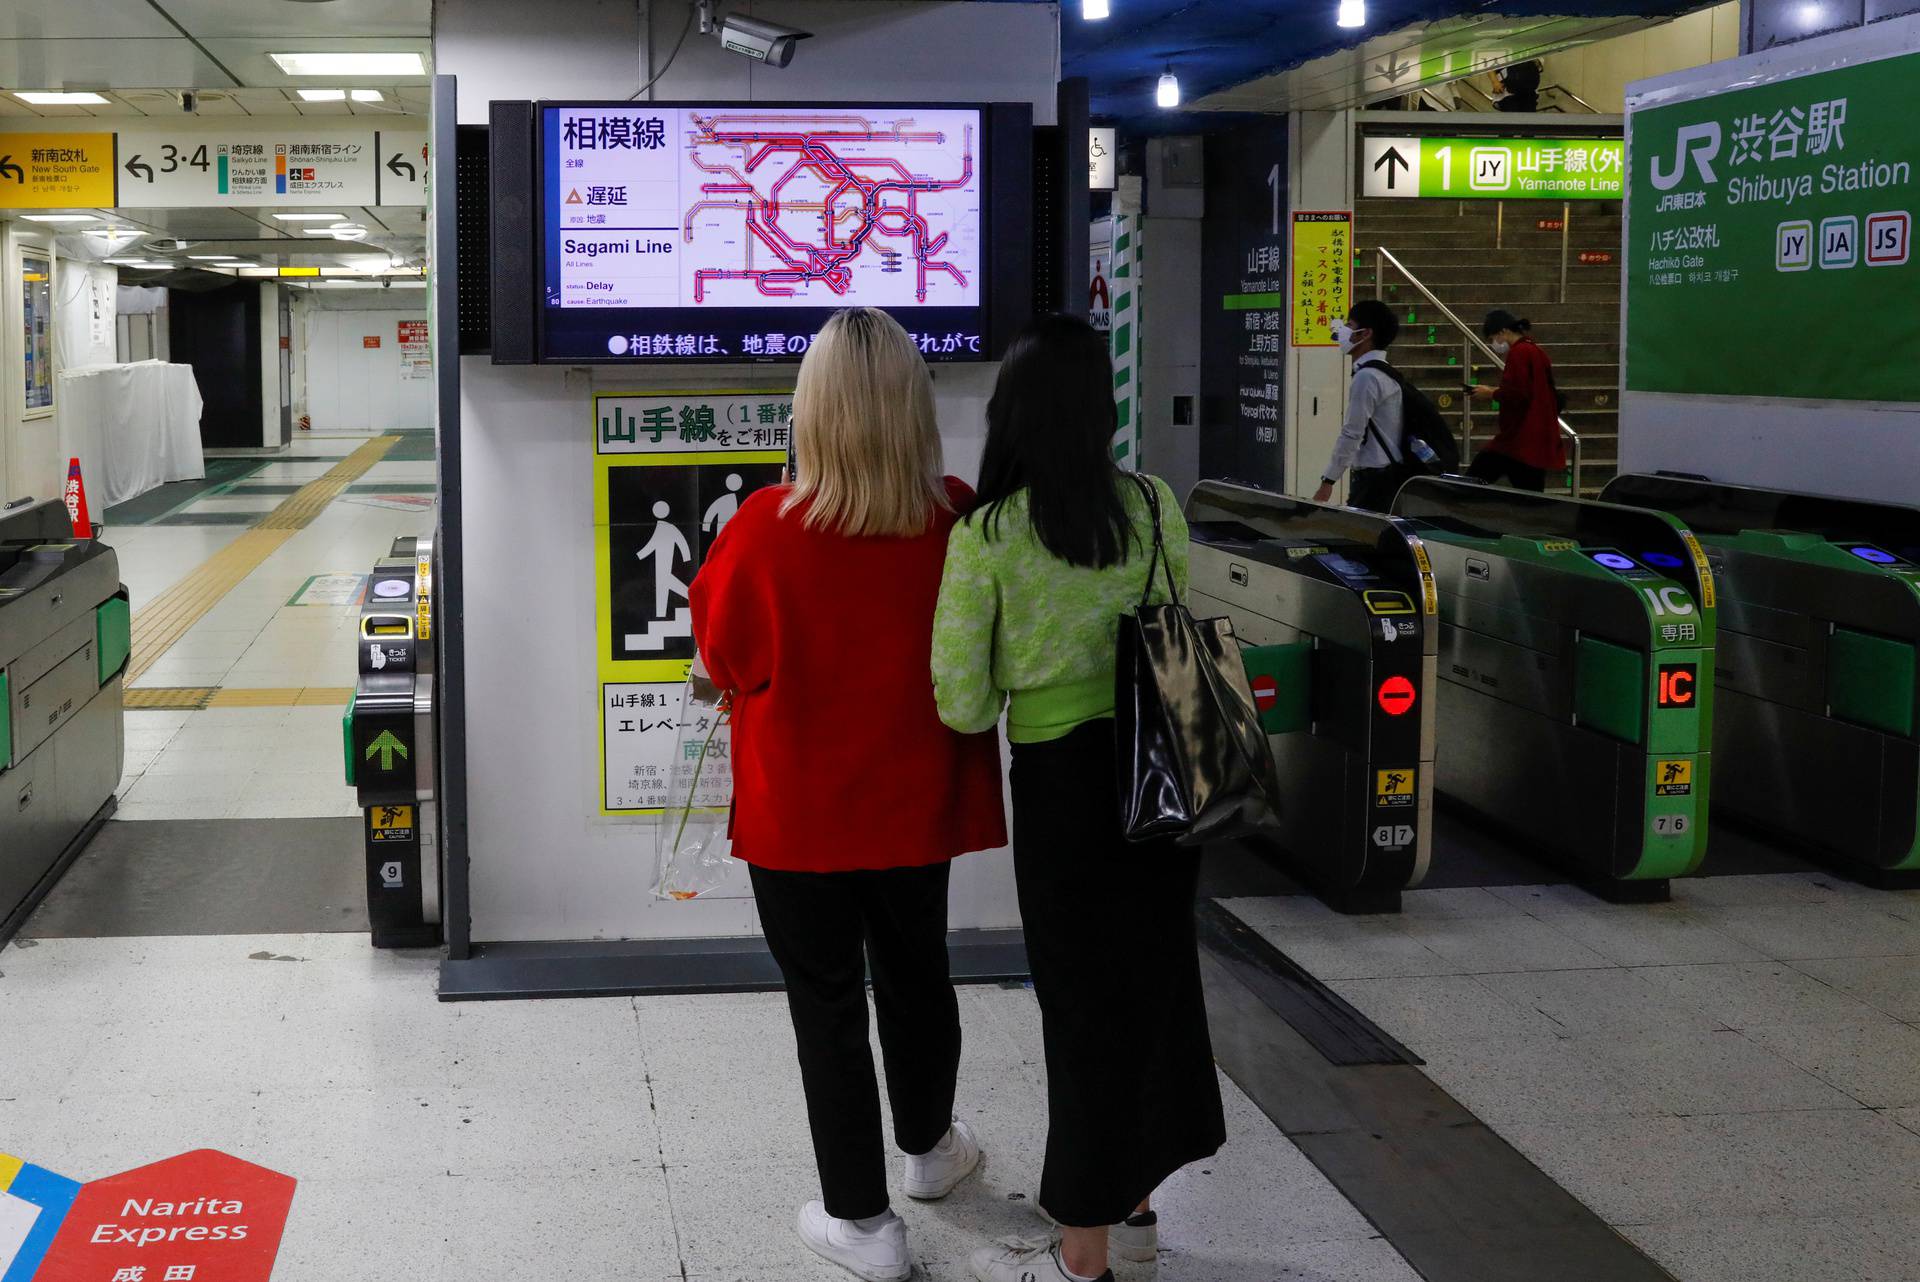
x=1019, y=1261
x=932, y=1175
x=878, y=1255
x=1136, y=1238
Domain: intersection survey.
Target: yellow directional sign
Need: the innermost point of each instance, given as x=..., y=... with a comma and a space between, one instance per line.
x=55, y=171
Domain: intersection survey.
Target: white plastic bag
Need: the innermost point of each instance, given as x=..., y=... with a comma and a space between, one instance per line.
x=694, y=850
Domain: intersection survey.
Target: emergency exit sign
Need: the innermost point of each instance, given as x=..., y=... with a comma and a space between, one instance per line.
x=1495, y=168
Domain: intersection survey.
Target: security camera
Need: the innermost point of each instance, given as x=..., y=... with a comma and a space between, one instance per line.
x=767, y=42
x=189, y=101
x=386, y=284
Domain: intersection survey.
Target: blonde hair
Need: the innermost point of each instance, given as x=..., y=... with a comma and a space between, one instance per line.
x=865, y=444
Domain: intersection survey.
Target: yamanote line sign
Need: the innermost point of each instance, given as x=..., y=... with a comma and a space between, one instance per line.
x=1495, y=168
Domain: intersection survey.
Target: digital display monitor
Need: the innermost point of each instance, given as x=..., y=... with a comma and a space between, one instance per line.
x=685, y=232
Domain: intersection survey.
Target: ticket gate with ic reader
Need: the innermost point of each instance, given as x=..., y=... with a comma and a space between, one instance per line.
x=390, y=739
x=65, y=638
x=1576, y=676
x=1817, y=716
x=1334, y=610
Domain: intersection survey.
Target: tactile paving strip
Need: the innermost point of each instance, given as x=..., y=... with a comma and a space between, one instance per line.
x=158, y=625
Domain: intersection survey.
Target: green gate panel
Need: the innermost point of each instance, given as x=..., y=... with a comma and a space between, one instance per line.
x=1870, y=681
x=113, y=629
x=1610, y=689
x=346, y=735
x=1291, y=668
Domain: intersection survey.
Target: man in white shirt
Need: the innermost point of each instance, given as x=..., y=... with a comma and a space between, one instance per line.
x=1370, y=436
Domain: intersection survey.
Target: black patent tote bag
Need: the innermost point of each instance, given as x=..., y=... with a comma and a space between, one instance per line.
x=1194, y=761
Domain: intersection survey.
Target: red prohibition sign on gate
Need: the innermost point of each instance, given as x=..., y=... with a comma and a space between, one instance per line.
x=1396, y=696
x=1266, y=693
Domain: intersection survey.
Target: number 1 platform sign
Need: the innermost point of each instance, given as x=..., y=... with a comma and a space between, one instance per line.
x=670, y=470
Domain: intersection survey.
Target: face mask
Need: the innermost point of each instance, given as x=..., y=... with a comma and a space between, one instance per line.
x=1346, y=335
x=1501, y=347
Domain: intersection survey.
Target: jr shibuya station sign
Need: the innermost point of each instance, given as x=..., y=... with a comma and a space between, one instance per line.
x=1768, y=236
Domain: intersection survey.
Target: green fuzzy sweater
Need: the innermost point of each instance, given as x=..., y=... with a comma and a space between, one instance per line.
x=1020, y=629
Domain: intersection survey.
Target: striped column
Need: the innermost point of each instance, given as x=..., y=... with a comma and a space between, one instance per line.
x=1126, y=338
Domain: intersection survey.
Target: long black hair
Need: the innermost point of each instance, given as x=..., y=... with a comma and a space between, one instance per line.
x=1050, y=429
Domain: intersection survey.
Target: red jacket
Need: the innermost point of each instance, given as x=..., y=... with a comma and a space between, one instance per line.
x=839, y=759
x=1529, y=411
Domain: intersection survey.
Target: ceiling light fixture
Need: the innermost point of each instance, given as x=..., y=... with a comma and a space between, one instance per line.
x=214, y=258
x=60, y=218
x=310, y=218
x=323, y=95
x=367, y=95
x=51, y=98
x=1094, y=10
x=1352, y=13
x=1168, y=92
x=350, y=64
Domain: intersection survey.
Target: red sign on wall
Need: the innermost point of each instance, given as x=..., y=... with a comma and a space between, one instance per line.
x=370, y=340
x=200, y=1217
x=1550, y=224
x=1599, y=256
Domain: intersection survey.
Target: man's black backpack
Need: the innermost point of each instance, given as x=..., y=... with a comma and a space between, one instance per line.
x=1420, y=420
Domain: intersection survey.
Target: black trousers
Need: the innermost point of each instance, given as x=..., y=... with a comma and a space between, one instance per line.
x=1491, y=466
x=1132, y=1094
x=825, y=930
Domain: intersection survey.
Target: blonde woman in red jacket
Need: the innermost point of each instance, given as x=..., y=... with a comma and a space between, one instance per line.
x=815, y=607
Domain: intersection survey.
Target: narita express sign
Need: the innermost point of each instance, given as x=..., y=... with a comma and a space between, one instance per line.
x=204, y=1216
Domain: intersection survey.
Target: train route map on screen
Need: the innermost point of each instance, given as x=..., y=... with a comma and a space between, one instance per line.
x=764, y=208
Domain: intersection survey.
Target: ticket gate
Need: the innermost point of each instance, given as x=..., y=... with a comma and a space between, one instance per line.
x=1817, y=716
x=1576, y=683
x=390, y=740
x=65, y=634
x=1334, y=609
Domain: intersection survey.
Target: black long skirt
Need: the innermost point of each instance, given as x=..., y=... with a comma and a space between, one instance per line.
x=1131, y=1090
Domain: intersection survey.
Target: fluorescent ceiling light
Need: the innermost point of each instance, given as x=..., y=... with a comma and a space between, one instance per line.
x=367, y=95
x=1094, y=10
x=60, y=218
x=310, y=218
x=350, y=64
x=323, y=95
x=214, y=258
x=1168, y=92
x=1352, y=13
x=50, y=98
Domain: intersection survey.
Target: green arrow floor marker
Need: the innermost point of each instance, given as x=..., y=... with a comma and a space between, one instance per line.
x=386, y=745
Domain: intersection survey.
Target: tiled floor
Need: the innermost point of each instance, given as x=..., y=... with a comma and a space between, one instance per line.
x=1732, y=1079
x=652, y=1139
x=224, y=763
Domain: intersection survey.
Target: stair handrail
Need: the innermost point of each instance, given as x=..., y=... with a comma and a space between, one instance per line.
x=1564, y=92
x=1475, y=341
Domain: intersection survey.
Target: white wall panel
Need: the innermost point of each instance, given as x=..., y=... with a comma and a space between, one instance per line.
x=545, y=865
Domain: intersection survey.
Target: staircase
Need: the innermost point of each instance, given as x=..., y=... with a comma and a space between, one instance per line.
x=1478, y=255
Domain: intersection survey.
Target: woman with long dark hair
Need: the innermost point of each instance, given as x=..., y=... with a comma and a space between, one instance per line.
x=1056, y=548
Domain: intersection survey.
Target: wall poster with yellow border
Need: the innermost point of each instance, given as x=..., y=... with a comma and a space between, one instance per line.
x=670, y=469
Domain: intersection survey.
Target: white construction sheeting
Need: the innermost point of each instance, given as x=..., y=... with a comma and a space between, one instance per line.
x=132, y=427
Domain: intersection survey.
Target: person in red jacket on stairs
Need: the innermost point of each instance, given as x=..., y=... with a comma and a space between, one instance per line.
x=1528, y=444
